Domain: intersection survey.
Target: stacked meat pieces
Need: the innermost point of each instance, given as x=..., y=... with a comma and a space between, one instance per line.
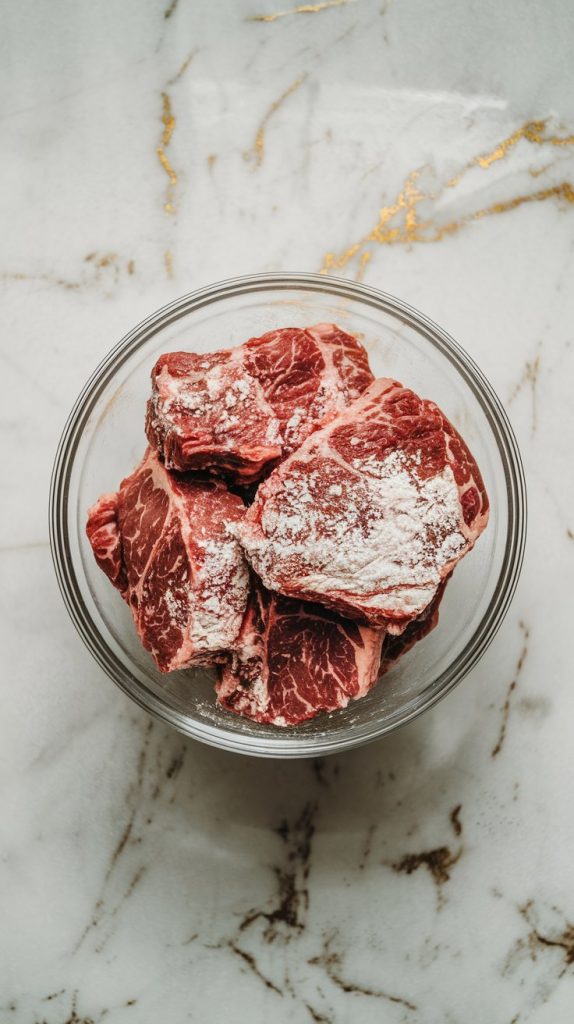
x=293, y=521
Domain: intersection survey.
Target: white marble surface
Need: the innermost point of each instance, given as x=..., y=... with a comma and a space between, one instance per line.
x=146, y=878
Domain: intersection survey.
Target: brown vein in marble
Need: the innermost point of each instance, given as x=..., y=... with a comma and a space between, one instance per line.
x=292, y=898
x=54, y=995
x=211, y=161
x=168, y=121
x=301, y=9
x=400, y=222
x=170, y=10
x=73, y=1015
x=100, y=910
x=529, y=377
x=316, y=1016
x=536, y=940
x=134, y=882
x=183, y=68
x=438, y=861
x=251, y=963
x=563, y=941
x=332, y=964
x=121, y=845
x=176, y=764
x=367, y=847
x=257, y=152
x=512, y=687
x=318, y=768
x=455, y=819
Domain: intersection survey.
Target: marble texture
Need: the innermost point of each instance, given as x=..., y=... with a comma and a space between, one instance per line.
x=149, y=149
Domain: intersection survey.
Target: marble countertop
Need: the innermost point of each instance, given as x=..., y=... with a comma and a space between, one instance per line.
x=149, y=149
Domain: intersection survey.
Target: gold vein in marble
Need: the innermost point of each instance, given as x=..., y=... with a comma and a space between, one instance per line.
x=257, y=152
x=59, y=282
x=168, y=262
x=532, y=131
x=108, y=259
x=536, y=172
x=302, y=9
x=399, y=222
x=168, y=121
x=365, y=259
x=386, y=230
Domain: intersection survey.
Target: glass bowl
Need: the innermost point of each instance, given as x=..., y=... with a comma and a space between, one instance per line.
x=104, y=439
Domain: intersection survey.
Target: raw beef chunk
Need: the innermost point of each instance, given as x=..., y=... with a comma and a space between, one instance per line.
x=207, y=412
x=164, y=542
x=372, y=512
x=295, y=659
x=237, y=412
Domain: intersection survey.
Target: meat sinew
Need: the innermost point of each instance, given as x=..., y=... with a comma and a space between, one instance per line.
x=295, y=659
x=164, y=542
x=238, y=411
x=372, y=512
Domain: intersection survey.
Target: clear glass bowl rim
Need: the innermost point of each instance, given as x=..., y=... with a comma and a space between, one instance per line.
x=502, y=433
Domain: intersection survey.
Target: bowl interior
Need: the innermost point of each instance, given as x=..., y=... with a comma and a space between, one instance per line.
x=105, y=438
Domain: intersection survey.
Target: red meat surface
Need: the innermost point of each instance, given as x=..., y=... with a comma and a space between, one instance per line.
x=164, y=542
x=371, y=513
x=295, y=659
x=238, y=411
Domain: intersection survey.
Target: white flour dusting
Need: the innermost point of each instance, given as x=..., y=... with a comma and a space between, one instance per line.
x=219, y=594
x=217, y=399
x=385, y=534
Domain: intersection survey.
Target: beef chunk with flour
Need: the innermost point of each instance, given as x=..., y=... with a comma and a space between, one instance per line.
x=294, y=659
x=372, y=512
x=238, y=411
x=164, y=541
